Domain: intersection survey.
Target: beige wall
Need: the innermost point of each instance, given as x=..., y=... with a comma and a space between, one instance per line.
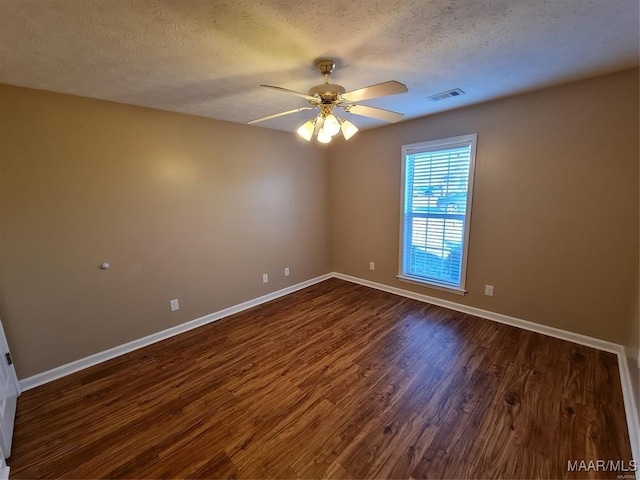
x=197, y=209
x=555, y=210
x=182, y=207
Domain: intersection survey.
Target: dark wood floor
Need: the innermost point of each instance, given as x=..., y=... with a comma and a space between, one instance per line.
x=337, y=380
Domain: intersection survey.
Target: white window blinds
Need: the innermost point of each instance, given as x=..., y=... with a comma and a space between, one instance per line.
x=437, y=181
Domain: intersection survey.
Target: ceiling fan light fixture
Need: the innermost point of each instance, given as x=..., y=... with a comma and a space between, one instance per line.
x=306, y=130
x=331, y=125
x=327, y=97
x=323, y=136
x=348, y=129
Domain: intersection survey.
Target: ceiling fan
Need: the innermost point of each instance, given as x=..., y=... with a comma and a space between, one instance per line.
x=328, y=97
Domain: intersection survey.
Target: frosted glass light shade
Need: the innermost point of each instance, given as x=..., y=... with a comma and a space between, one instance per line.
x=331, y=125
x=306, y=130
x=323, y=136
x=348, y=129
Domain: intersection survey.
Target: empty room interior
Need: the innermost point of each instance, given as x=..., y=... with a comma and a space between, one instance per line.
x=278, y=239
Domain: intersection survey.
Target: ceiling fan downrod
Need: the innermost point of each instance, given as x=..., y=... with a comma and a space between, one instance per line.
x=327, y=92
x=326, y=67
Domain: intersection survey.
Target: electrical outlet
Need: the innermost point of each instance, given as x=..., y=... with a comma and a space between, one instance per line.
x=174, y=305
x=372, y=265
x=488, y=290
x=286, y=271
x=265, y=278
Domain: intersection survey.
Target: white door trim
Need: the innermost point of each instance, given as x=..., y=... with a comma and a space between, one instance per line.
x=4, y=350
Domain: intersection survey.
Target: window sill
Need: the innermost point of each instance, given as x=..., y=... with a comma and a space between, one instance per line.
x=435, y=286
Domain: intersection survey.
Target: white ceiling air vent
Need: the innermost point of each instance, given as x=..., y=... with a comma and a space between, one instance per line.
x=456, y=92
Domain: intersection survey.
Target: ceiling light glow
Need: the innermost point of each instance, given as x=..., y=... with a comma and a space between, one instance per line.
x=326, y=125
x=348, y=129
x=323, y=136
x=306, y=130
x=331, y=125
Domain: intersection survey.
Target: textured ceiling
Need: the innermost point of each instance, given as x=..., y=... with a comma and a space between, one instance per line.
x=208, y=57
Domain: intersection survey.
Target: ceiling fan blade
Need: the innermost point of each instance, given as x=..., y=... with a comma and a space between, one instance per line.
x=293, y=92
x=379, y=90
x=281, y=114
x=379, y=113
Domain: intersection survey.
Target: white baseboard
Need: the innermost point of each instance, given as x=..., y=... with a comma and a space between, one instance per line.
x=630, y=405
x=634, y=353
x=81, y=364
x=633, y=424
x=496, y=317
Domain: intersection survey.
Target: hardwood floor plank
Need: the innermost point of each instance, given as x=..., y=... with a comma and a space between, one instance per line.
x=333, y=381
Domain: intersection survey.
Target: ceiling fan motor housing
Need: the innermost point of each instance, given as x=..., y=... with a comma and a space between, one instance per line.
x=328, y=92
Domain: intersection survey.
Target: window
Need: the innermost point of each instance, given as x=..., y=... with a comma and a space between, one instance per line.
x=437, y=184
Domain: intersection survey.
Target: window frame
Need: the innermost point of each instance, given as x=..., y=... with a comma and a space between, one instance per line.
x=443, y=144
